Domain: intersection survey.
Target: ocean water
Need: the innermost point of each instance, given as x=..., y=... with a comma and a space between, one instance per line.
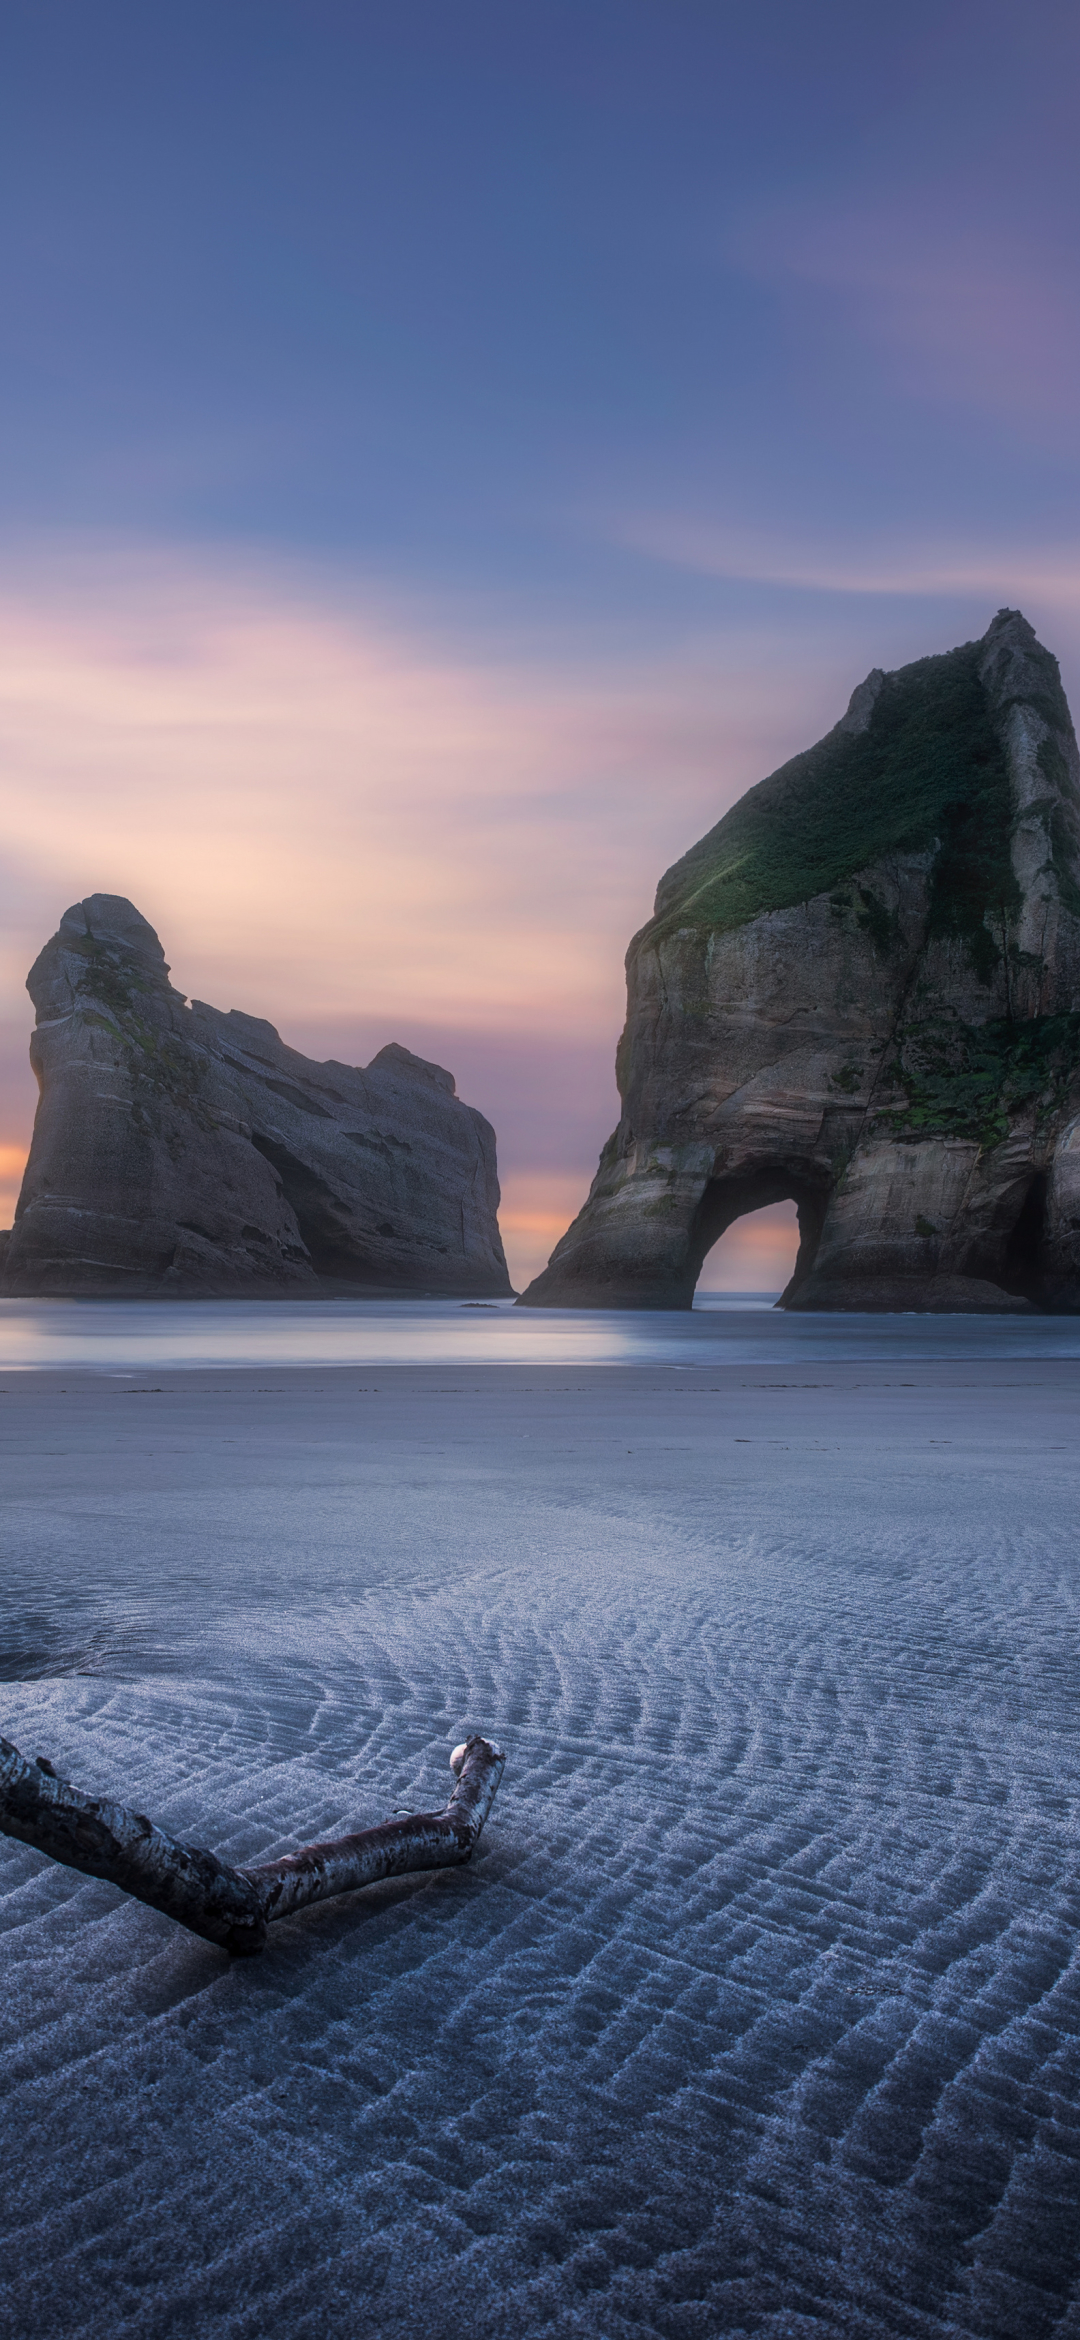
x=758, y=2010
x=141, y=1335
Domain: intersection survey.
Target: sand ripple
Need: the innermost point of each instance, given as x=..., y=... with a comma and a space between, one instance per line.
x=758, y=2011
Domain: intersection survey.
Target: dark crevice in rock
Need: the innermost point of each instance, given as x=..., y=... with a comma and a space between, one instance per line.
x=316, y=1207
x=1021, y=1264
x=304, y=1103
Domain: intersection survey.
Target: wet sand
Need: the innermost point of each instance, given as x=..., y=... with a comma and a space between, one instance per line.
x=758, y=2010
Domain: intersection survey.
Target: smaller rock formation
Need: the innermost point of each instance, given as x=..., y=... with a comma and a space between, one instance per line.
x=179, y=1151
x=861, y=991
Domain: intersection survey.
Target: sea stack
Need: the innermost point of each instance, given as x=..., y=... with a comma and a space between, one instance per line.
x=861, y=991
x=179, y=1151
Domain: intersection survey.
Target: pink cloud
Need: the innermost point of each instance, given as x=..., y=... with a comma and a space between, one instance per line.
x=323, y=813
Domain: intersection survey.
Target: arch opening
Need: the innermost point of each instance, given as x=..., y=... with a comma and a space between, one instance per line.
x=769, y=1258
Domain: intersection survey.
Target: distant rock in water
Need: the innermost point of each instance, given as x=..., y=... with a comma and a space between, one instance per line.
x=862, y=991
x=181, y=1151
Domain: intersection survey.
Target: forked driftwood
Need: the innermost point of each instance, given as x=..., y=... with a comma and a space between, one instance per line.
x=226, y=1905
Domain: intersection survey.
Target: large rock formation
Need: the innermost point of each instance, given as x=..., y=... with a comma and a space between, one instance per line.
x=180, y=1151
x=862, y=990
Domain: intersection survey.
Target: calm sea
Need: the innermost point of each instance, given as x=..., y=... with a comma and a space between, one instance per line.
x=132, y=1336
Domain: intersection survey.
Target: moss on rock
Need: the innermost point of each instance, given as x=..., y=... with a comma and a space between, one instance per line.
x=929, y=771
x=971, y=1081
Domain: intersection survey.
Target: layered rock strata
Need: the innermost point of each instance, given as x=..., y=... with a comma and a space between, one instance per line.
x=861, y=991
x=181, y=1151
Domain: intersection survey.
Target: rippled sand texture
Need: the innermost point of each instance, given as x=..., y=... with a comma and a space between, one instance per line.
x=758, y=2010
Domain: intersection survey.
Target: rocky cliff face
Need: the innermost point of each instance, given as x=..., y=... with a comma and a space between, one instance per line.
x=181, y=1151
x=862, y=990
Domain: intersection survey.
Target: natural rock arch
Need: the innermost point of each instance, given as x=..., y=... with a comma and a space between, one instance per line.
x=862, y=989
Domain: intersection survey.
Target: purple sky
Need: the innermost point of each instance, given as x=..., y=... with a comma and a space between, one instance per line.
x=447, y=454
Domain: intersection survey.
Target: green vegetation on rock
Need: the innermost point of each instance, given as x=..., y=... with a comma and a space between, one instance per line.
x=162, y=1070
x=970, y=1081
x=115, y=984
x=930, y=770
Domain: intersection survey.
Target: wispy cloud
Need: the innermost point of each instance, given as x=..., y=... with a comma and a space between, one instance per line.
x=1048, y=575
x=327, y=814
x=966, y=308
x=313, y=808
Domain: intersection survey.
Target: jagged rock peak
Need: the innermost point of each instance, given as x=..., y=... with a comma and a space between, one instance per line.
x=861, y=990
x=184, y=1151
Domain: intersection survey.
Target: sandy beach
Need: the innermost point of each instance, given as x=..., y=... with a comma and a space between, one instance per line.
x=758, y=2008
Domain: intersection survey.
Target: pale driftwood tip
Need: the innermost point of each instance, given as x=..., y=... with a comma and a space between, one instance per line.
x=485, y=1748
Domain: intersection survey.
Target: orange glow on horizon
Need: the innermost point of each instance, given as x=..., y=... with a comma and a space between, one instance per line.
x=537, y=1208
x=12, y=1165
x=756, y=1255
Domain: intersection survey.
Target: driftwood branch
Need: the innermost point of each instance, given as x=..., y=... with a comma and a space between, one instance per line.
x=226, y=1905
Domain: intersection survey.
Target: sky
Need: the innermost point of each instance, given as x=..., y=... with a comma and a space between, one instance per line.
x=448, y=452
